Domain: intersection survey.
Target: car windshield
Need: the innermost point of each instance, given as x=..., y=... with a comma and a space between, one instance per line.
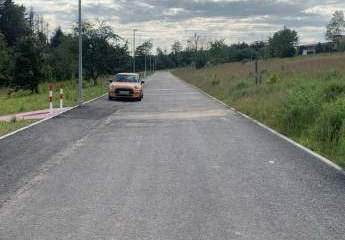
x=127, y=78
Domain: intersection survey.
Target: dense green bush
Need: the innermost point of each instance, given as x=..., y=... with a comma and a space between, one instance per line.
x=301, y=108
x=331, y=122
x=273, y=79
x=200, y=60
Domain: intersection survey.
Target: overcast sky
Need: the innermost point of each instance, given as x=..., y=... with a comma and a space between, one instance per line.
x=167, y=20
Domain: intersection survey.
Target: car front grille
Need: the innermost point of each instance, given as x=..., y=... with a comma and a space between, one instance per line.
x=120, y=92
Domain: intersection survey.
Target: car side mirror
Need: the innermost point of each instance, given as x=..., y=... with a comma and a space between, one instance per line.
x=142, y=82
x=110, y=81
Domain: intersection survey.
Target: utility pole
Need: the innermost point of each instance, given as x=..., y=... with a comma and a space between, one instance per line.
x=80, y=81
x=134, y=50
x=145, y=65
x=150, y=63
x=153, y=64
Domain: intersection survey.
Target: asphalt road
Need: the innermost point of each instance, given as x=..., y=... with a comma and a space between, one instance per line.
x=178, y=166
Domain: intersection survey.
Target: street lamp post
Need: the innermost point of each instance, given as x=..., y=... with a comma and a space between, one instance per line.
x=145, y=65
x=80, y=81
x=134, y=50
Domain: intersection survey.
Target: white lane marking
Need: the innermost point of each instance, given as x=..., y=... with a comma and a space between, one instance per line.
x=171, y=94
x=164, y=89
x=274, y=132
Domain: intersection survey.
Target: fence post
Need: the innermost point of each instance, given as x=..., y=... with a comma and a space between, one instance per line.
x=256, y=72
x=61, y=95
x=50, y=88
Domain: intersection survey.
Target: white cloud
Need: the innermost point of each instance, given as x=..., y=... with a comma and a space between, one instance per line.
x=166, y=21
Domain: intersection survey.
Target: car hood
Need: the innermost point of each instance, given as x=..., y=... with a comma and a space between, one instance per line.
x=124, y=85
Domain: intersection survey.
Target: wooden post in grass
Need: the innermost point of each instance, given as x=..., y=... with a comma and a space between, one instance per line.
x=256, y=69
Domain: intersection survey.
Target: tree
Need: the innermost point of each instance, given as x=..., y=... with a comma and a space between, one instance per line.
x=200, y=59
x=283, y=43
x=4, y=62
x=218, y=52
x=194, y=42
x=28, y=64
x=163, y=59
x=176, y=53
x=143, y=53
x=176, y=48
x=63, y=57
x=144, y=49
x=57, y=38
x=336, y=28
x=12, y=22
x=99, y=45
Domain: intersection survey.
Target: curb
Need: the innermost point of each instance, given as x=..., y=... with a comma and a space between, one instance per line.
x=274, y=132
x=46, y=119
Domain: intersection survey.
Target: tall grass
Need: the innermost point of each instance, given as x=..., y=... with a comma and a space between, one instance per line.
x=302, y=97
x=7, y=127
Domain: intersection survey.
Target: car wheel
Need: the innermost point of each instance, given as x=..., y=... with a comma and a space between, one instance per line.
x=110, y=98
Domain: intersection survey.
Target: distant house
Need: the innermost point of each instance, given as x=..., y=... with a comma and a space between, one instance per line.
x=308, y=49
x=314, y=48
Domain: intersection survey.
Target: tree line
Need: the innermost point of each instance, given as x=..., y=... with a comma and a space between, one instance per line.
x=28, y=56
x=283, y=43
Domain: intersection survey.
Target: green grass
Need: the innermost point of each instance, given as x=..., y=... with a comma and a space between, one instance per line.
x=7, y=127
x=303, y=97
x=24, y=101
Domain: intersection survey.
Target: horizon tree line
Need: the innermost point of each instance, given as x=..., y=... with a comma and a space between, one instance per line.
x=28, y=56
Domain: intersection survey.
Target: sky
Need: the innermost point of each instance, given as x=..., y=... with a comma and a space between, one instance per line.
x=164, y=21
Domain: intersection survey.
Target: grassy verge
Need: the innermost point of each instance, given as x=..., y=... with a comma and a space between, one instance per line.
x=303, y=98
x=24, y=101
x=7, y=127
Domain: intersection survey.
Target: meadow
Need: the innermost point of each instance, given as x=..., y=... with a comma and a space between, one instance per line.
x=302, y=97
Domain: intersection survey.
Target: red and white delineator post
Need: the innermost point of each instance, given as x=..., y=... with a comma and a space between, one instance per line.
x=50, y=87
x=61, y=95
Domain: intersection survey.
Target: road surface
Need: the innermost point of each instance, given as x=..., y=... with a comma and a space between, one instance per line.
x=177, y=166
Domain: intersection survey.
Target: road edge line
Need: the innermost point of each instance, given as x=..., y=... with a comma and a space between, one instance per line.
x=46, y=119
x=276, y=133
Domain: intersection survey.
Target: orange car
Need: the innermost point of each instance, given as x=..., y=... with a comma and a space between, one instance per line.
x=126, y=86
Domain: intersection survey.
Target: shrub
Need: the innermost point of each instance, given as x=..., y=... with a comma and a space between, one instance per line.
x=333, y=91
x=241, y=85
x=200, y=60
x=301, y=108
x=273, y=79
x=331, y=122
